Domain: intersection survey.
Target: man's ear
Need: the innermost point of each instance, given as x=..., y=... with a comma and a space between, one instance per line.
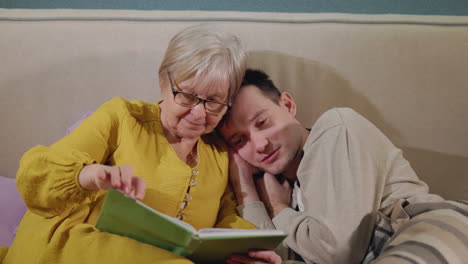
x=286, y=100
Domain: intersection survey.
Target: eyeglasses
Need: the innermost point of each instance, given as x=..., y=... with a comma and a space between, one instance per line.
x=190, y=101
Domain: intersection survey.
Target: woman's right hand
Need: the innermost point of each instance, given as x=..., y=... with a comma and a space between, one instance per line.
x=97, y=176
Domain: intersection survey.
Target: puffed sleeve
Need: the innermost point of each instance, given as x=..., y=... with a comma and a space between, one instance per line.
x=47, y=178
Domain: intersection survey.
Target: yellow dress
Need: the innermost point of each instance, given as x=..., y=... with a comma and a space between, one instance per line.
x=59, y=226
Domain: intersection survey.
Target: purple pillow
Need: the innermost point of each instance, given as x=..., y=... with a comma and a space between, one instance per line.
x=78, y=122
x=12, y=208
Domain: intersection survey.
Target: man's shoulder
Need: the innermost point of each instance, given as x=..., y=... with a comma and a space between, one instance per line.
x=335, y=117
x=332, y=119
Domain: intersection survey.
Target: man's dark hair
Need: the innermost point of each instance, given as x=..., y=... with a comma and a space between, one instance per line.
x=263, y=82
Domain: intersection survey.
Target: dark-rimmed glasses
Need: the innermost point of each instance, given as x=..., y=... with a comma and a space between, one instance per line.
x=190, y=101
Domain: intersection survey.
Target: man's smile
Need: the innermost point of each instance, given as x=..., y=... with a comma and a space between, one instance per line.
x=271, y=157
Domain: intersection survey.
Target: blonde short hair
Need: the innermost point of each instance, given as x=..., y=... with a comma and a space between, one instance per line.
x=208, y=52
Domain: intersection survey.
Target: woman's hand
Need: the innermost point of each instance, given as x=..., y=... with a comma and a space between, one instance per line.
x=255, y=257
x=96, y=176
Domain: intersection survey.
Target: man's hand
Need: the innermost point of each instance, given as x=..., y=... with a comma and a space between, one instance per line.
x=255, y=257
x=96, y=176
x=241, y=178
x=275, y=195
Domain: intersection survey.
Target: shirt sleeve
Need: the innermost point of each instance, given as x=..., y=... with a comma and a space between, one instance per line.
x=256, y=213
x=47, y=177
x=227, y=216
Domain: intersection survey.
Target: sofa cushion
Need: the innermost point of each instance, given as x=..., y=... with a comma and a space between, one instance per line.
x=12, y=208
x=12, y=205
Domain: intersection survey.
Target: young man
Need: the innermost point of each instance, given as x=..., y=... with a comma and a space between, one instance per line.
x=341, y=190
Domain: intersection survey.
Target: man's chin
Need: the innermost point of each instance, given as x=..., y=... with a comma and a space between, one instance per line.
x=273, y=170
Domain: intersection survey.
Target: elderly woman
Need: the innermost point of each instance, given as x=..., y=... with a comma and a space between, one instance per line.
x=161, y=153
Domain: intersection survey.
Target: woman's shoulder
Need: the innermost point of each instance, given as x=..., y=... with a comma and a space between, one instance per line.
x=140, y=110
x=215, y=150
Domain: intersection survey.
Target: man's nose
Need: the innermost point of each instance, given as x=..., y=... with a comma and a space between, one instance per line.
x=260, y=143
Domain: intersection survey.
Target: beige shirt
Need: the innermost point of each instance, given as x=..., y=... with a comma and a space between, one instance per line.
x=350, y=170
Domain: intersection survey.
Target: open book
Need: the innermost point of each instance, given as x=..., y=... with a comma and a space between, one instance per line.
x=125, y=216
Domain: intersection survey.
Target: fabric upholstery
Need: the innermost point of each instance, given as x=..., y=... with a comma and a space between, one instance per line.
x=408, y=79
x=12, y=209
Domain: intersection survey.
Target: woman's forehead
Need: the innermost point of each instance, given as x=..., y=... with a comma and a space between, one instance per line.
x=204, y=85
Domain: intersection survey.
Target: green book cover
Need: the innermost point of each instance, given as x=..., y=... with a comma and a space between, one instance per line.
x=122, y=215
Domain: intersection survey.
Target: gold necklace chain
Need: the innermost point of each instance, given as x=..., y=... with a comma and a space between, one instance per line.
x=192, y=158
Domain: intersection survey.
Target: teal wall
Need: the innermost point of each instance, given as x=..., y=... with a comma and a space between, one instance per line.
x=421, y=7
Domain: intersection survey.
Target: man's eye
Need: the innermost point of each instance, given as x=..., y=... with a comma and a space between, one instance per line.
x=237, y=142
x=261, y=122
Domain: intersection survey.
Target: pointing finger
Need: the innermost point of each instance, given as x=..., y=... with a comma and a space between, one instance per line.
x=115, y=177
x=139, y=185
x=126, y=174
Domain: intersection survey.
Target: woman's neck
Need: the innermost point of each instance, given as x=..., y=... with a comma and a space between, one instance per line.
x=185, y=148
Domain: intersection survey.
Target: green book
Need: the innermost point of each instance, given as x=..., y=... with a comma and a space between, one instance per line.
x=122, y=215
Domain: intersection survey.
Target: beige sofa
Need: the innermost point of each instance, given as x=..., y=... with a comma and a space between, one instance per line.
x=407, y=74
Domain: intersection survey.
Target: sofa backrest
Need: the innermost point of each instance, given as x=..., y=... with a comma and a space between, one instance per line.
x=408, y=78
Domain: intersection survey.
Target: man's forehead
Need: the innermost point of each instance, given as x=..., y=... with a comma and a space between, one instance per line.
x=249, y=104
x=236, y=123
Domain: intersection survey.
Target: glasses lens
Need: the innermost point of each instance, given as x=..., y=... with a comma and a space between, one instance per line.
x=185, y=100
x=214, y=107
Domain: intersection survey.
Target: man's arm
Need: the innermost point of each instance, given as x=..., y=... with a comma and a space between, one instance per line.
x=275, y=195
x=250, y=207
x=341, y=180
x=241, y=177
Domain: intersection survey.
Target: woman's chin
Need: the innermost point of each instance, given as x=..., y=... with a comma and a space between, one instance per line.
x=194, y=134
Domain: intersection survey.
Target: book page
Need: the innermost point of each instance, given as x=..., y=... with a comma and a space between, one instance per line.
x=170, y=218
x=229, y=232
x=122, y=215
